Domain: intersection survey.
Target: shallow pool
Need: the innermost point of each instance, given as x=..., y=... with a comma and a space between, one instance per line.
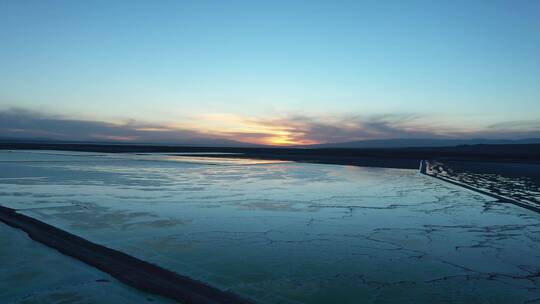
x=288, y=232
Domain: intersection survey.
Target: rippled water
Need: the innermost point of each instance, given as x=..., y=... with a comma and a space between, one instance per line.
x=288, y=232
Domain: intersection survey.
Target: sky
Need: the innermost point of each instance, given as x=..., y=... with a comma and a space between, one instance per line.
x=269, y=72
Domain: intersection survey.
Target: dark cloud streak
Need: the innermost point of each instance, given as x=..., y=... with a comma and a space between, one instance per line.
x=20, y=123
x=349, y=128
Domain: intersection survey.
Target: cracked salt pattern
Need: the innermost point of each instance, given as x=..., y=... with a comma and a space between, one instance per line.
x=289, y=232
x=33, y=273
x=516, y=181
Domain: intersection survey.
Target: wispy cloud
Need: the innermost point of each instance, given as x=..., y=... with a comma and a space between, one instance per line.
x=516, y=125
x=223, y=128
x=22, y=123
x=305, y=129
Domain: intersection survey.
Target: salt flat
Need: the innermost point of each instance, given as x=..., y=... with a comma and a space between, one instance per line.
x=287, y=232
x=33, y=273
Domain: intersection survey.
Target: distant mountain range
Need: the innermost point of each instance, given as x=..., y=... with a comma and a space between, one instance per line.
x=372, y=143
x=421, y=142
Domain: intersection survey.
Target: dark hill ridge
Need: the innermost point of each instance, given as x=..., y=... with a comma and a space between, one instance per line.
x=422, y=142
x=216, y=142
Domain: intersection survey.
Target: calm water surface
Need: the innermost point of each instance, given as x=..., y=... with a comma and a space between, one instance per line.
x=287, y=232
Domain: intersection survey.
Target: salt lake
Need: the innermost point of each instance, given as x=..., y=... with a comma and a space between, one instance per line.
x=282, y=232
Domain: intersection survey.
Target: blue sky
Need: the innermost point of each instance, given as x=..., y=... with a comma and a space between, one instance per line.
x=275, y=71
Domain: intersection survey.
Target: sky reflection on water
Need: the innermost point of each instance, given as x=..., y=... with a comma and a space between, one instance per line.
x=289, y=232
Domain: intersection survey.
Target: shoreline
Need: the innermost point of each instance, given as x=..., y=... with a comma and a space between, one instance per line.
x=127, y=269
x=424, y=165
x=399, y=158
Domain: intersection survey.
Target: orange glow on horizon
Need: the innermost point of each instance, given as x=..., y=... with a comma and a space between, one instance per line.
x=280, y=141
x=285, y=140
x=244, y=129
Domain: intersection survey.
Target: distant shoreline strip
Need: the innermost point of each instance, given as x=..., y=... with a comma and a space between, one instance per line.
x=125, y=268
x=423, y=170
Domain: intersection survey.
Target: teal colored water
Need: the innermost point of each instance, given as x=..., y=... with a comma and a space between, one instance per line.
x=288, y=232
x=33, y=273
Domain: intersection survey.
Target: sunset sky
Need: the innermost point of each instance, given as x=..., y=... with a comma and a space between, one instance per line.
x=271, y=72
